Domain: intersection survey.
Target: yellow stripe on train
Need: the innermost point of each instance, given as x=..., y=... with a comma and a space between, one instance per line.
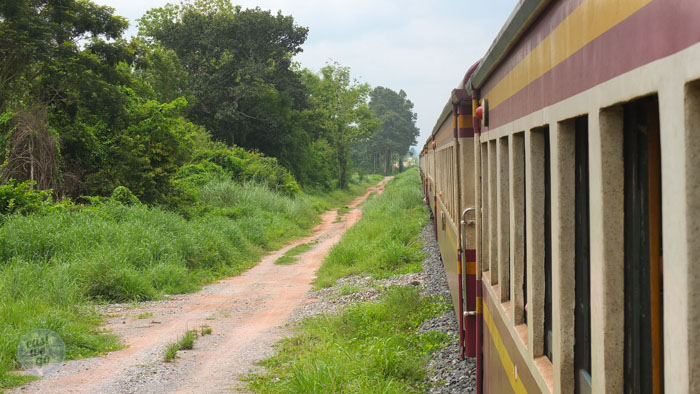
x=598, y=16
x=508, y=366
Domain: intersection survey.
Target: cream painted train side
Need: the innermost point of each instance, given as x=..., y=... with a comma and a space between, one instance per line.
x=563, y=176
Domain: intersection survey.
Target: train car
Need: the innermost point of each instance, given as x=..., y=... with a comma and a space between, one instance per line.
x=562, y=173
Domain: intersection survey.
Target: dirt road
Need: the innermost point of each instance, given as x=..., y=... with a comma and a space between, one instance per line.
x=245, y=313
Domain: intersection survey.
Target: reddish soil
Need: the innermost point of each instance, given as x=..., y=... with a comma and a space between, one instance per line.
x=246, y=314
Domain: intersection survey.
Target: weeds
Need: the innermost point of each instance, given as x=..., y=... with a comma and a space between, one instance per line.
x=144, y=315
x=184, y=343
x=290, y=257
x=171, y=352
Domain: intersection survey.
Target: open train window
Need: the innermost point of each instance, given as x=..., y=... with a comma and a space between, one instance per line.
x=547, y=249
x=582, y=310
x=503, y=219
x=524, y=243
x=643, y=248
x=484, y=207
x=516, y=210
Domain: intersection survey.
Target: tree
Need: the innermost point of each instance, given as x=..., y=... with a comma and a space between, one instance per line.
x=398, y=126
x=239, y=65
x=40, y=57
x=343, y=117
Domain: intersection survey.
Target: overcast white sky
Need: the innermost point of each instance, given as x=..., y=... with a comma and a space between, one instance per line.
x=423, y=47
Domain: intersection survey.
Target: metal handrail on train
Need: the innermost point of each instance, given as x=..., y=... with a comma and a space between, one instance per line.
x=463, y=223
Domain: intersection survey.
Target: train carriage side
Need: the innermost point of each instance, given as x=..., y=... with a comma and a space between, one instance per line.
x=585, y=176
x=589, y=157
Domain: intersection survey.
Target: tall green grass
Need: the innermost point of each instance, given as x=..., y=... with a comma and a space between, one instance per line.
x=55, y=265
x=369, y=348
x=385, y=241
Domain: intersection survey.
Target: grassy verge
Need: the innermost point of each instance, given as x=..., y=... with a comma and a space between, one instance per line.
x=369, y=348
x=385, y=241
x=55, y=265
x=290, y=257
x=372, y=346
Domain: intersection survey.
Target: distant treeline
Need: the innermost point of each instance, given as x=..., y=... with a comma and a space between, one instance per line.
x=84, y=110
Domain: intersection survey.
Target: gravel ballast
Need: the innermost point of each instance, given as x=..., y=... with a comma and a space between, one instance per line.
x=448, y=373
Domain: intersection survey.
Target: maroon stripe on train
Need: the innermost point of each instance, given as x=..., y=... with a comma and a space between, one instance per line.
x=470, y=255
x=659, y=29
x=545, y=24
x=466, y=132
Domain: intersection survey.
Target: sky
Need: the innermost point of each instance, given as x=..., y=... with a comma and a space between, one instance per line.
x=421, y=46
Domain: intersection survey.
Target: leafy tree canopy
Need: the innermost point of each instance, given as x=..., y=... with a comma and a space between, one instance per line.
x=239, y=65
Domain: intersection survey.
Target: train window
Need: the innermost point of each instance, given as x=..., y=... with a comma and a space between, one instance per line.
x=484, y=207
x=643, y=354
x=539, y=311
x=518, y=256
x=547, y=248
x=493, y=209
x=582, y=310
x=546, y=180
x=503, y=220
x=524, y=239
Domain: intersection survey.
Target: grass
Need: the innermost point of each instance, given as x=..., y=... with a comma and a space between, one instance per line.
x=385, y=241
x=171, y=352
x=290, y=257
x=144, y=315
x=186, y=342
x=370, y=347
x=54, y=266
x=343, y=210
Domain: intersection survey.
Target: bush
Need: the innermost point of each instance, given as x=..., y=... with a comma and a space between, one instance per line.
x=22, y=198
x=123, y=195
x=252, y=166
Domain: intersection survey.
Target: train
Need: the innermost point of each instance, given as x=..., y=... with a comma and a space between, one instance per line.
x=563, y=179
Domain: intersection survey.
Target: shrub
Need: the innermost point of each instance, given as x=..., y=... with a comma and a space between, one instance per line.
x=22, y=198
x=123, y=195
x=244, y=165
